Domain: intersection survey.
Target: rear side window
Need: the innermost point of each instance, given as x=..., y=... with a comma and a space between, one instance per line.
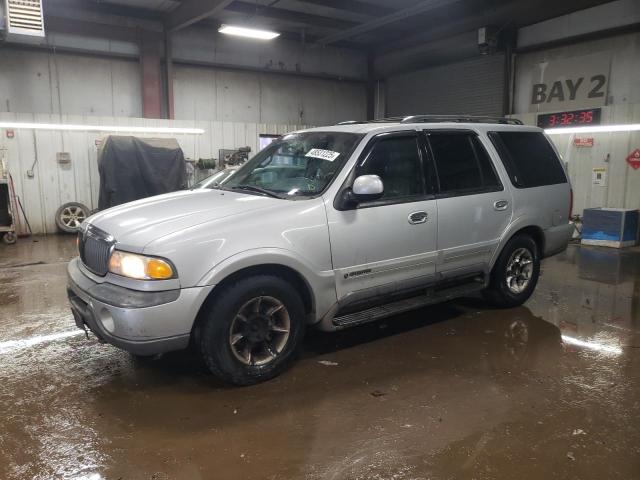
x=462, y=163
x=528, y=158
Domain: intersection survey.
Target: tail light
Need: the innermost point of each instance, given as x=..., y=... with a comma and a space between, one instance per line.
x=570, y=202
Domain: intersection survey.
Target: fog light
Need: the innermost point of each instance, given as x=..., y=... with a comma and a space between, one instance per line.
x=107, y=320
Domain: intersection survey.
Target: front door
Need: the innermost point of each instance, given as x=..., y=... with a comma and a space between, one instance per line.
x=389, y=244
x=474, y=208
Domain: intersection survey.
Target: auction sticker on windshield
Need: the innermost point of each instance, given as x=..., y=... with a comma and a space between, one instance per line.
x=322, y=154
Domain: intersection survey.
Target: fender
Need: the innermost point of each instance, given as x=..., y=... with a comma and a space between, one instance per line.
x=321, y=284
x=514, y=227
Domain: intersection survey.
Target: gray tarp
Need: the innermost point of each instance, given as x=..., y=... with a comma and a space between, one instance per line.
x=132, y=168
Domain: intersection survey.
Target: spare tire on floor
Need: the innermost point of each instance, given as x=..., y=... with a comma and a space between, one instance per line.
x=70, y=215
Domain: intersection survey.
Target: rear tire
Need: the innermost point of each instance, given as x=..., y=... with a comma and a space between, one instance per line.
x=252, y=330
x=515, y=273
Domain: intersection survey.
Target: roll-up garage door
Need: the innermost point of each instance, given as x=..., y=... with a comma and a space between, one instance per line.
x=473, y=87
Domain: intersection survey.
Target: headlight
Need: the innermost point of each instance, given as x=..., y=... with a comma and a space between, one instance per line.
x=141, y=267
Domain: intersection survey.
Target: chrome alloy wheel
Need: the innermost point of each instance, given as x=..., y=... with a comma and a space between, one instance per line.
x=260, y=331
x=72, y=216
x=519, y=270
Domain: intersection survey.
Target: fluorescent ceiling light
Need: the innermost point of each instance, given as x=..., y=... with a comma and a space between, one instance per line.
x=100, y=128
x=632, y=127
x=248, y=32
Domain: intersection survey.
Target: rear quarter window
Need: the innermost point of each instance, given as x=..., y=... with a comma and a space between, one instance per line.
x=529, y=158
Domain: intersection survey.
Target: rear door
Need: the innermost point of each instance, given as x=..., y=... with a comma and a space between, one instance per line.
x=474, y=208
x=382, y=246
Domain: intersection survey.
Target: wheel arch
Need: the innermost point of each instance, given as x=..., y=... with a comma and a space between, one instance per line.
x=316, y=288
x=534, y=231
x=292, y=276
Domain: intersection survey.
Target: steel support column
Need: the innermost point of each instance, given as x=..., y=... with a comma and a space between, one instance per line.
x=168, y=57
x=151, y=69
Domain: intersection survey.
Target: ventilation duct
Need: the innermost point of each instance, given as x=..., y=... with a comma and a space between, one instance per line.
x=23, y=20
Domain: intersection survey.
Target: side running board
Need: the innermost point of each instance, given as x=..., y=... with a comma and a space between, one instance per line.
x=400, y=306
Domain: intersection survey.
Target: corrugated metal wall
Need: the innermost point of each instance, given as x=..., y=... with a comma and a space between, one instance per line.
x=610, y=150
x=45, y=82
x=209, y=93
x=473, y=86
x=54, y=184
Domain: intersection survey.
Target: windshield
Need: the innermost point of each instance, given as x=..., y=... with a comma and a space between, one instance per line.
x=214, y=180
x=298, y=164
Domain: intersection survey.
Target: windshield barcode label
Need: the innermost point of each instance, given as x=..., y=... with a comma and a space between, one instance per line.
x=322, y=154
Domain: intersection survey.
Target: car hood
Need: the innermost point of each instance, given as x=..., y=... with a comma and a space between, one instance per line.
x=135, y=224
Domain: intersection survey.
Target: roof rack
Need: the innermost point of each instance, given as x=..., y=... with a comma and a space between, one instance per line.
x=459, y=119
x=440, y=119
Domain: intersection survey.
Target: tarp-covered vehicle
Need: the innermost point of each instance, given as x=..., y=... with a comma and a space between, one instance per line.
x=132, y=168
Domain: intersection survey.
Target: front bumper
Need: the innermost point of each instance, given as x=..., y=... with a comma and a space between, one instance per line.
x=143, y=323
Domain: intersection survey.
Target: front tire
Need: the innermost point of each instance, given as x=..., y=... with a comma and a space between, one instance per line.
x=251, y=330
x=515, y=274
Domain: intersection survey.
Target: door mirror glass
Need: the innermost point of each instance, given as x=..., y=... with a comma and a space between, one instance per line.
x=367, y=187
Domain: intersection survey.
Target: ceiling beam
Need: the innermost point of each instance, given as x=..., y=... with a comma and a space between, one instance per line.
x=91, y=29
x=417, y=9
x=192, y=11
x=511, y=15
x=289, y=15
x=353, y=6
x=83, y=11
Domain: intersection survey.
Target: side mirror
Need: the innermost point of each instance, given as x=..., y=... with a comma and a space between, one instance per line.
x=367, y=187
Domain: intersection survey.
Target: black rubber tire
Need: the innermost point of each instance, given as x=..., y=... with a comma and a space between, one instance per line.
x=498, y=294
x=61, y=225
x=212, y=336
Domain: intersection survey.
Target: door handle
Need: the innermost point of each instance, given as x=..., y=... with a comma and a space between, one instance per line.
x=500, y=205
x=418, y=217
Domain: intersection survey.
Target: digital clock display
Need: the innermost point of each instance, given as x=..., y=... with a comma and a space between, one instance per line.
x=569, y=119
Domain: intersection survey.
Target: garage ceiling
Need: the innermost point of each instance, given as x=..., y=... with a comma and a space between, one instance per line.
x=380, y=27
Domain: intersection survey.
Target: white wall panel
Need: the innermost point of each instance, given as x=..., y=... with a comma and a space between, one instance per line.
x=70, y=84
x=624, y=54
x=54, y=184
x=203, y=93
x=43, y=82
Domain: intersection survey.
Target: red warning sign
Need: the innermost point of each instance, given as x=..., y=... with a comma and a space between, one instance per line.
x=634, y=159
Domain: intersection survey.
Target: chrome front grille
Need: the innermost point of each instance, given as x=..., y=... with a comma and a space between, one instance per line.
x=95, y=249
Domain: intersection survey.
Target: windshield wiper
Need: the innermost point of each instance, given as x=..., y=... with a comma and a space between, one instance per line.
x=251, y=188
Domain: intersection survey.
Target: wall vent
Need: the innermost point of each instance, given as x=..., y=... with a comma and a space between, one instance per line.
x=24, y=20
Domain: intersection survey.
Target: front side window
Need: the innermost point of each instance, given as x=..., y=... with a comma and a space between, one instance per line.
x=396, y=161
x=462, y=163
x=296, y=165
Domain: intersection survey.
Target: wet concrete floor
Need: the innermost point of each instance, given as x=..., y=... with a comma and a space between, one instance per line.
x=456, y=391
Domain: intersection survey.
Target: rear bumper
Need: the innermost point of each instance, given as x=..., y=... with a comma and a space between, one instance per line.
x=143, y=323
x=557, y=238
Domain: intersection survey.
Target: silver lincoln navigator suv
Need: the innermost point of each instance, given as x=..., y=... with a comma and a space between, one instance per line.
x=327, y=227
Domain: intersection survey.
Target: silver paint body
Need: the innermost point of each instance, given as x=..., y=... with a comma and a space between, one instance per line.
x=210, y=234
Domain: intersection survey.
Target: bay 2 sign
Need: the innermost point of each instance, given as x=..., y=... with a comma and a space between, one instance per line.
x=563, y=84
